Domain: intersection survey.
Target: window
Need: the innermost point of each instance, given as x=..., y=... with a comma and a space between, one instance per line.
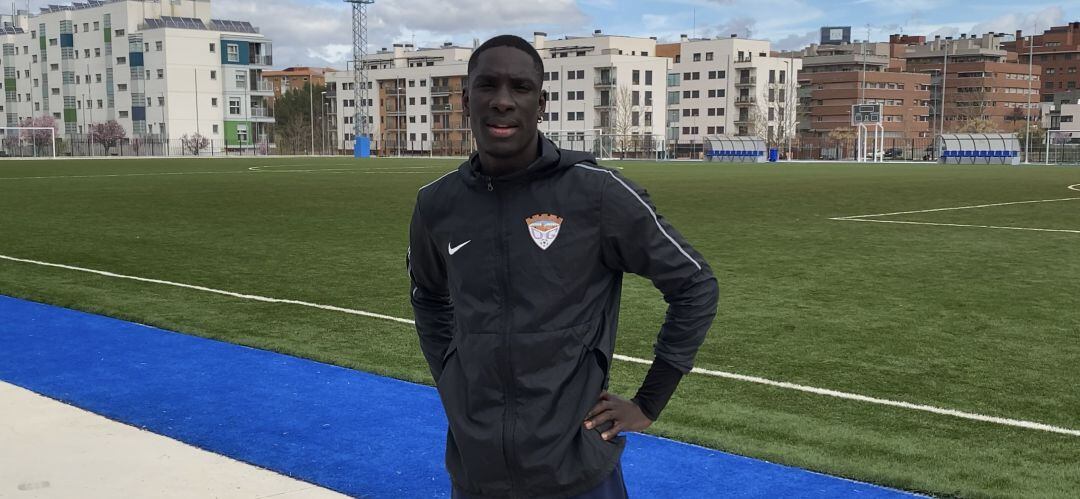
x=232, y=52
x=55, y=91
x=234, y=105
x=213, y=102
x=697, y=57
x=119, y=32
x=213, y=74
x=97, y=78
x=412, y=101
x=412, y=119
x=241, y=133
x=553, y=96
x=160, y=73
x=423, y=118
x=122, y=87
x=121, y=60
x=52, y=42
x=412, y=83
x=158, y=45
x=648, y=77
x=423, y=100
x=635, y=77
x=648, y=97
x=213, y=48
x=87, y=52
x=99, y=103
x=581, y=74
x=423, y=83
x=97, y=26
x=708, y=56
x=85, y=27
x=215, y=129
x=554, y=117
x=123, y=114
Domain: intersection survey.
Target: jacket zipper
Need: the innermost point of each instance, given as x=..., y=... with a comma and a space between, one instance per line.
x=509, y=385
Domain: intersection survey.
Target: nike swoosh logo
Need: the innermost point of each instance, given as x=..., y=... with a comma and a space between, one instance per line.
x=454, y=249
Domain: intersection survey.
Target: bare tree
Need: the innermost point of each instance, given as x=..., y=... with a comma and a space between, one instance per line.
x=622, y=110
x=843, y=137
x=194, y=143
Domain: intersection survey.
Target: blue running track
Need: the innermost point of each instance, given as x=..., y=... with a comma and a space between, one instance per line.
x=357, y=433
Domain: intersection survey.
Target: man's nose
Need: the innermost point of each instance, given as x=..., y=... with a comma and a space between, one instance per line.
x=502, y=100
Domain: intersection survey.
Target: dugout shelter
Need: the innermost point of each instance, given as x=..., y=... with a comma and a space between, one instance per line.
x=734, y=149
x=979, y=148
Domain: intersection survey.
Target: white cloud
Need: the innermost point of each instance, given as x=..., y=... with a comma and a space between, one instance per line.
x=320, y=33
x=1030, y=22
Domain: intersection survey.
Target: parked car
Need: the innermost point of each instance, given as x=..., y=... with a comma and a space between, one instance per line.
x=894, y=153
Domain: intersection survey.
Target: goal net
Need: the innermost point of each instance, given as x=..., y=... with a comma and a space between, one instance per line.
x=1061, y=147
x=28, y=142
x=611, y=145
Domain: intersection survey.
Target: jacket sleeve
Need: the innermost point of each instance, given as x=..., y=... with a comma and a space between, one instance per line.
x=640, y=241
x=433, y=310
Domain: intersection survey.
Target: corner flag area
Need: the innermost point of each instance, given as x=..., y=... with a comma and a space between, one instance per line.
x=357, y=433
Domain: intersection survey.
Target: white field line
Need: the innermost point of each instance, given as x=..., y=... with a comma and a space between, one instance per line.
x=955, y=225
x=248, y=171
x=719, y=374
x=955, y=208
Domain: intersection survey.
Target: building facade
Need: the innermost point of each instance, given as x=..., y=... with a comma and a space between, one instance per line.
x=603, y=91
x=1057, y=53
x=283, y=80
x=837, y=76
x=160, y=69
x=985, y=87
x=729, y=86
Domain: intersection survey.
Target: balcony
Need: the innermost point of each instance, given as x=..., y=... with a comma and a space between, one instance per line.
x=743, y=121
x=445, y=108
x=746, y=82
x=745, y=100
x=261, y=86
x=445, y=90
x=261, y=60
x=599, y=102
x=262, y=113
x=604, y=81
x=393, y=90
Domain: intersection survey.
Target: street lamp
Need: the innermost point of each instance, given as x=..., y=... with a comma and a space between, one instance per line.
x=323, y=102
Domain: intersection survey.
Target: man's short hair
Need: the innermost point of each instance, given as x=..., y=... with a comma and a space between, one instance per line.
x=509, y=41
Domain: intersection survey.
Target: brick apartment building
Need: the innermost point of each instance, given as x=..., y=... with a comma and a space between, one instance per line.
x=287, y=79
x=837, y=76
x=983, y=80
x=1057, y=52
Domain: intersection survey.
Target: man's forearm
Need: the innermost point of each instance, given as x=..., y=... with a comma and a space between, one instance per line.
x=659, y=385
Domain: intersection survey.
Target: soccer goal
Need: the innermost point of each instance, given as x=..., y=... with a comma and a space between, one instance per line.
x=28, y=141
x=610, y=145
x=1062, y=147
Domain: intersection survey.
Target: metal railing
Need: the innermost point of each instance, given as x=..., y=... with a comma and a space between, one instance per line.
x=263, y=60
x=262, y=86
x=601, y=81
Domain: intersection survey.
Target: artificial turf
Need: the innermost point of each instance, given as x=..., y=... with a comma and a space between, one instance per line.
x=973, y=319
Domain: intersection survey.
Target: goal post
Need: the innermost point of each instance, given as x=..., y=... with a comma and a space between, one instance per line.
x=1062, y=147
x=16, y=137
x=606, y=145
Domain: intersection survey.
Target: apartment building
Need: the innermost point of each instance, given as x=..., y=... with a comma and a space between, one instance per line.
x=295, y=78
x=730, y=86
x=836, y=76
x=982, y=80
x=596, y=85
x=1057, y=52
x=160, y=69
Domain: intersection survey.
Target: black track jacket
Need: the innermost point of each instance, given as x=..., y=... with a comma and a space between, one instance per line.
x=516, y=283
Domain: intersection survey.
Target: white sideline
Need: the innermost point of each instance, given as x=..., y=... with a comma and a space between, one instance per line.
x=867, y=218
x=720, y=374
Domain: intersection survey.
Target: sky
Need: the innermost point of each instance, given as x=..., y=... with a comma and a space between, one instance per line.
x=318, y=32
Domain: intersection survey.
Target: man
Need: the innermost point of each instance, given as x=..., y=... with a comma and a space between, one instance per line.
x=516, y=261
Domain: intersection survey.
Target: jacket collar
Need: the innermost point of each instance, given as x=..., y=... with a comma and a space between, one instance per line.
x=548, y=161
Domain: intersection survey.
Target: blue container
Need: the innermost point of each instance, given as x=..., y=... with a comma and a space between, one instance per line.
x=774, y=154
x=362, y=147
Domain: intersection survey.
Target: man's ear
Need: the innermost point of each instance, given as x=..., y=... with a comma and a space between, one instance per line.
x=465, y=101
x=543, y=100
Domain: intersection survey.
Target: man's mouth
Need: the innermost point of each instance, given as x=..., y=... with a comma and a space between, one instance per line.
x=501, y=130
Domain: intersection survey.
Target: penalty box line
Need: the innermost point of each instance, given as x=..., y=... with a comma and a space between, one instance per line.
x=1017, y=423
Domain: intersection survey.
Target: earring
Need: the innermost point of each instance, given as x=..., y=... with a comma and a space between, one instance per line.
x=540, y=119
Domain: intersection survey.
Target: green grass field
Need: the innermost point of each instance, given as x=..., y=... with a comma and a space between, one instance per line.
x=975, y=319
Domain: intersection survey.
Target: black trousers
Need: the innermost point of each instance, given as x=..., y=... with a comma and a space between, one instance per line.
x=612, y=488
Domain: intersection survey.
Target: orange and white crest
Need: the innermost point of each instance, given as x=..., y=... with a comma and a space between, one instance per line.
x=544, y=228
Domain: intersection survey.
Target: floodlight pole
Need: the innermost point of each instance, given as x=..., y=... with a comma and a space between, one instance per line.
x=944, y=76
x=360, y=76
x=1027, y=129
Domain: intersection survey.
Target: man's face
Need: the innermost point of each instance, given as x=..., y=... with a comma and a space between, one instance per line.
x=503, y=102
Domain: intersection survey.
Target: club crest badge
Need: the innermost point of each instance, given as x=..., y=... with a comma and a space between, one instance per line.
x=544, y=228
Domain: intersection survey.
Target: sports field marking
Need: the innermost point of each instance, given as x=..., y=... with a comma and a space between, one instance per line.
x=1031, y=425
x=868, y=218
x=248, y=171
